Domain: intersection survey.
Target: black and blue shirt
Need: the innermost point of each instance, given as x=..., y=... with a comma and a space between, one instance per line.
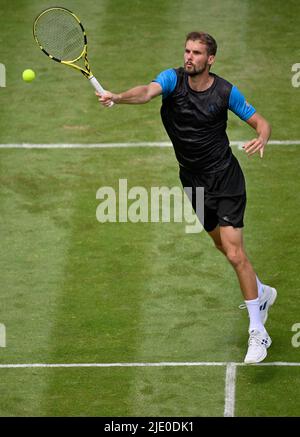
x=196, y=121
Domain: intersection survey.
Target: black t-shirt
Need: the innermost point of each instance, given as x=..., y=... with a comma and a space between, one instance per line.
x=196, y=121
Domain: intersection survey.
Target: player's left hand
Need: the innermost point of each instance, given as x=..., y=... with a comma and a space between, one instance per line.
x=255, y=145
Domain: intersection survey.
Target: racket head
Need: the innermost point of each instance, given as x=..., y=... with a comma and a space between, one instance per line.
x=60, y=34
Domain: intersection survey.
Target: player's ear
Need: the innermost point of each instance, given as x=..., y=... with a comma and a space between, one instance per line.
x=211, y=59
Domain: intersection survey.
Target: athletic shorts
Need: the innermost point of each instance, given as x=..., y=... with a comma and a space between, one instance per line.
x=224, y=195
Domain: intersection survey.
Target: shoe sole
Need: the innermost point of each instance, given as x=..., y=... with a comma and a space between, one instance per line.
x=270, y=303
x=259, y=360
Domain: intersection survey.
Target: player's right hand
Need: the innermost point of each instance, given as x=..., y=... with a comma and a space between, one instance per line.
x=107, y=98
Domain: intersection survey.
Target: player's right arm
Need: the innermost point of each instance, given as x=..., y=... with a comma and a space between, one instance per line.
x=137, y=95
x=164, y=84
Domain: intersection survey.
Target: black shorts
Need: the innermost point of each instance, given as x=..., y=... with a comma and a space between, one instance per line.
x=224, y=195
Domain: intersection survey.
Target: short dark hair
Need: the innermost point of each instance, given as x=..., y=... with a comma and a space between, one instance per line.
x=206, y=39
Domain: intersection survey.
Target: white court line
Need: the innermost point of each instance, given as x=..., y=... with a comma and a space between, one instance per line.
x=230, y=390
x=85, y=146
x=120, y=145
x=230, y=378
x=158, y=364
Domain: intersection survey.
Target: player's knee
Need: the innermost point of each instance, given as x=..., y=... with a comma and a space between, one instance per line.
x=236, y=257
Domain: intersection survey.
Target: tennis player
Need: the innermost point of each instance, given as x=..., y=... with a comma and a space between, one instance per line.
x=194, y=111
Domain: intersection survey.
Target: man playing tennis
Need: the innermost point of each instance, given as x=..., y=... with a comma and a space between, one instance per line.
x=194, y=110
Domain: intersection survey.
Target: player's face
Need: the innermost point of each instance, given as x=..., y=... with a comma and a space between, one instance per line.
x=196, y=59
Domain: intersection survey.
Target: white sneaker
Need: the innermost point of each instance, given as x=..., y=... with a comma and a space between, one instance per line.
x=265, y=301
x=257, y=347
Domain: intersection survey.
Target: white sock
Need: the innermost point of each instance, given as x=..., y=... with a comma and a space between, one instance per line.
x=260, y=287
x=254, y=315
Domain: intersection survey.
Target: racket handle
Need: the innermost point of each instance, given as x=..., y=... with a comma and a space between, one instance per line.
x=98, y=87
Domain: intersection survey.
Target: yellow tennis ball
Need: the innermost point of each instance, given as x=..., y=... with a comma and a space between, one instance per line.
x=28, y=75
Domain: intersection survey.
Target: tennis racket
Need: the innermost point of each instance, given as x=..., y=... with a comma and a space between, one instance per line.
x=61, y=36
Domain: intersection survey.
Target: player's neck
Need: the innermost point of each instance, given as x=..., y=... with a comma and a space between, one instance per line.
x=201, y=82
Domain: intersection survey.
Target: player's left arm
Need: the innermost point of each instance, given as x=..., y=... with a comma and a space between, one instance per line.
x=239, y=105
x=263, y=130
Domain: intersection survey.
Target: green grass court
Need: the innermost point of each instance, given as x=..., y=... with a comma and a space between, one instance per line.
x=74, y=290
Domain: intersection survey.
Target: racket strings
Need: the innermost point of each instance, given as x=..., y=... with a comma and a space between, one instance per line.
x=60, y=34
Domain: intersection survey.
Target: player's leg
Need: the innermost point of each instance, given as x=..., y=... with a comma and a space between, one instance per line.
x=267, y=295
x=259, y=340
x=215, y=235
x=262, y=289
x=229, y=240
x=232, y=244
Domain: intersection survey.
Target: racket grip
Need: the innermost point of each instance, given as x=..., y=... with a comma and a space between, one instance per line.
x=98, y=87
